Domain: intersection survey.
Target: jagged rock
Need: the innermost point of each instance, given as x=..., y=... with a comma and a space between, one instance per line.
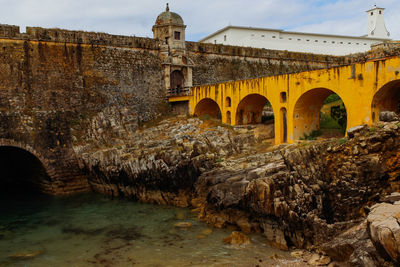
x=388, y=116
x=274, y=235
x=262, y=132
x=353, y=246
x=297, y=253
x=307, y=193
x=351, y=132
x=159, y=164
x=237, y=238
x=395, y=196
x=385, y=229
x=361, y=258
x=319, y=260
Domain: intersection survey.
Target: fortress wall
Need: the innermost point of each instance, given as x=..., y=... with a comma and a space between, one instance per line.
x=55, y=96
x=9, y=30
x=95, y=38
x=220, y=63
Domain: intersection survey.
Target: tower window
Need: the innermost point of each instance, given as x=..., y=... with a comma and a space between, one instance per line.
x=224, y=37
x=380, y=12
x=372, y=13
x=177, y=35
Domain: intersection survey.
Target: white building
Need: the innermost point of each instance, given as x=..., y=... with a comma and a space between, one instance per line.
x=305, y=42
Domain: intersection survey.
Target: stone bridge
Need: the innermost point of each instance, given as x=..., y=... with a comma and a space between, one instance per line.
x=366, y=89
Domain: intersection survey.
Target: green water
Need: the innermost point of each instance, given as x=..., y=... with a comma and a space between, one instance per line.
x=92, y=230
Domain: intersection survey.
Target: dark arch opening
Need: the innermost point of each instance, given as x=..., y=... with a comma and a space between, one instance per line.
x=254, y=109
x=387, y=98
x=21, y=171
x=177, y=81
x=283, y=131
x=207, y=107
x=228, y=117
x=318, y=112
x=227, y=102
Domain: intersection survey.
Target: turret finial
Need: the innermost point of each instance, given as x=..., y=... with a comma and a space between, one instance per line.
x=167, y=9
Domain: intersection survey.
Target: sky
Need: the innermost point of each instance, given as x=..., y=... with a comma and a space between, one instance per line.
x=202, y=17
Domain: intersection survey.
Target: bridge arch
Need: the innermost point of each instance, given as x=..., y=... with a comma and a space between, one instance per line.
x=307, y=111
x=250, y=109
x=387, y=98
x=207, y=106
x=23, y=169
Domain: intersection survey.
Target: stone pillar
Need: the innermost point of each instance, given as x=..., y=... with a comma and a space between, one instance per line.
x=167, y=77
x=189, y=78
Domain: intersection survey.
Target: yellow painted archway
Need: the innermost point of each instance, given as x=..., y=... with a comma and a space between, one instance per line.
x=365, y=89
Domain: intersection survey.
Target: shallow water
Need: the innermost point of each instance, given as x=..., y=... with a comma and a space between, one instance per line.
x=92, y=230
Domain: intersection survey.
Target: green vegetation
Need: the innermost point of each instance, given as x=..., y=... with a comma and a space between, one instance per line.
x=327, y=122
x=370, y=131
x=341, y=141
x=205, y=117
x=332, y=98
x=312, y=136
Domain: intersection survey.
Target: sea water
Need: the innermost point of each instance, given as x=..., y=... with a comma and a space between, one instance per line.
x=93, y=230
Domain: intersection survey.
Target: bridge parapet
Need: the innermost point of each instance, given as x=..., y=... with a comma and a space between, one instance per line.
x=174, y=92
x=365, y=88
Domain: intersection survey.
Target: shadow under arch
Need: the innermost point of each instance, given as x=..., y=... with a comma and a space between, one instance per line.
x=21, y=171
x=209, y=107
x=250, y=109
x=307, y=111
x=387, y=98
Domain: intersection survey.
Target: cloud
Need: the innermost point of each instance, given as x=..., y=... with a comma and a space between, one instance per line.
x=134, y=17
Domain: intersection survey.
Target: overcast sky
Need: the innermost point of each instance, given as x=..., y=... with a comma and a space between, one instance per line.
x=202, y=17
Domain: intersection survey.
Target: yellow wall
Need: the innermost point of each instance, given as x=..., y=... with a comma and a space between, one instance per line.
x=305, y=93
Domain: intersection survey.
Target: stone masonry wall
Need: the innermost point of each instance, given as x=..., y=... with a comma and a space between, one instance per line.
x=221, y=63
x=51, y=92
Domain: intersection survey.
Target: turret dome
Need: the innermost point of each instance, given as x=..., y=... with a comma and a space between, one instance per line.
x=168, y=17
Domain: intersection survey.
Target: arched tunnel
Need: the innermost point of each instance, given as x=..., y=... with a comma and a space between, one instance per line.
x=387, y=98
x=21, y=171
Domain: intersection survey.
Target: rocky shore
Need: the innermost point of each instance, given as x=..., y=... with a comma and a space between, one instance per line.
x=323, y=196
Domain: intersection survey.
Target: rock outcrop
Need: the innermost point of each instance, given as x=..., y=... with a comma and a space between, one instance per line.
x=307, y=195
x=161, y=164
x=309, y=192
x=384, y=228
